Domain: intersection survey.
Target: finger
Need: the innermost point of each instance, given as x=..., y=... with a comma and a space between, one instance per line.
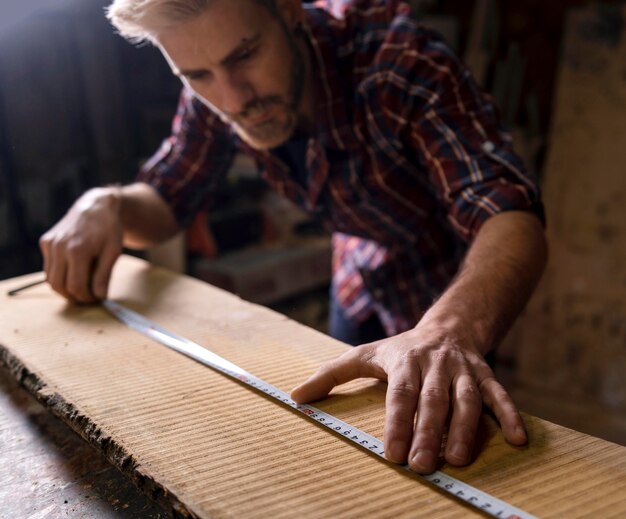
x=102, y=273
x=57, y=271
x=44, y=247
x=432, y=413
x=400, y=405
x=352, y=364
x=467, y=407
x=499, y=401
x=77, y=282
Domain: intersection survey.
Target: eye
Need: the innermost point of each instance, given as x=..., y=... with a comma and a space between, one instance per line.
x=197, y=76
x=245, y=54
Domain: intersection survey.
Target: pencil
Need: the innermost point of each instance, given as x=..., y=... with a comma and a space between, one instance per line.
x=16, y=291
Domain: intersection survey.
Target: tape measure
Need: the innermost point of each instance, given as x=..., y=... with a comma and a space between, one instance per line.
x=476, y=498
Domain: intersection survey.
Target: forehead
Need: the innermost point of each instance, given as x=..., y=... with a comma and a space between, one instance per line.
x=212, y=35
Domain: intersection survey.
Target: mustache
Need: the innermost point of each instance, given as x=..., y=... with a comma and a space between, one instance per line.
x=256, y=106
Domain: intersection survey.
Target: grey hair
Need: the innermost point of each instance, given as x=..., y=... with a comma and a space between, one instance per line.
x=138, y=20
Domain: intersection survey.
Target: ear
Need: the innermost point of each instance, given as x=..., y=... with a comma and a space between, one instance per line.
x=291, y=12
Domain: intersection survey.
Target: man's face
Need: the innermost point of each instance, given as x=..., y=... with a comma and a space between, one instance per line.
x=243, y=62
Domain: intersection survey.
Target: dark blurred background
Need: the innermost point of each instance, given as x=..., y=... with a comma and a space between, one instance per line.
x=80, y=107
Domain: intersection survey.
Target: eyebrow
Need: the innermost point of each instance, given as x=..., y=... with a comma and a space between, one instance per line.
x=230, y=57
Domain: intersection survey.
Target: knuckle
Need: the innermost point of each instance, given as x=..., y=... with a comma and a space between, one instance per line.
x=492, y=386
x=441, y=356
x=52, y=242
x=448, y=356
x=57, y=246
x=405, y=388
x=502, y=396
x=368, y=355
x=469, y=393
x=435, y=394
x=411, y=357
x=75, y=246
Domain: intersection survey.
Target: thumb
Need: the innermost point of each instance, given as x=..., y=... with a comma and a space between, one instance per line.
x=348, y=366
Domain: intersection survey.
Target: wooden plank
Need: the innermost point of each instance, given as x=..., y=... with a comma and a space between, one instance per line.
x=571, y=342
x=182, y=432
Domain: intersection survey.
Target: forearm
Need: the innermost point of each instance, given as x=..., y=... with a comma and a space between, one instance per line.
x=146, y=218
x=495, y=280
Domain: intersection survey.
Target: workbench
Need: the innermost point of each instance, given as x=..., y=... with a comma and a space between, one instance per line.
x=202, y=445
x=47, y=471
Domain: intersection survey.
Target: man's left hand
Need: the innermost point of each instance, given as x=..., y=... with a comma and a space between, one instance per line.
x=431, y=377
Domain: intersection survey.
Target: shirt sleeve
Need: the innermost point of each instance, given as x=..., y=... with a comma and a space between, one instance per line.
x=189, y=165
x=455, y=130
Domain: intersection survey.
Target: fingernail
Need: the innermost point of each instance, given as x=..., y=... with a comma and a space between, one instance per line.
x=294, y=394
x=395, y=452
x=460, y=451
x=423, y=461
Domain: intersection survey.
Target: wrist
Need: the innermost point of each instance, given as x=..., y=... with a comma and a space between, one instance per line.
x=101, y=199
x=468, y=330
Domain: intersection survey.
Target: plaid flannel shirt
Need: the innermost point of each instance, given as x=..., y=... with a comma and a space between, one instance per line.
x=408, y=161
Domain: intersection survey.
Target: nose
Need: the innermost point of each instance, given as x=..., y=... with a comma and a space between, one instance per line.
x=235, y=93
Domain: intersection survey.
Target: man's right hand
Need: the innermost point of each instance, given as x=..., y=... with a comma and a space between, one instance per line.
x=80, y=250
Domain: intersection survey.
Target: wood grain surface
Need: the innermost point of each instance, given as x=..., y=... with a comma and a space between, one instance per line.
x=205, y=446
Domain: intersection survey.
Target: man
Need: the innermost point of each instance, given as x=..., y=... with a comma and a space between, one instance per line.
x=372, y=124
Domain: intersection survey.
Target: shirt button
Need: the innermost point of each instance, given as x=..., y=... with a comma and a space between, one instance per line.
x=489, y=147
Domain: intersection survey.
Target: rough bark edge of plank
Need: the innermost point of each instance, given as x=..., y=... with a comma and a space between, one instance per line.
x=89, y=431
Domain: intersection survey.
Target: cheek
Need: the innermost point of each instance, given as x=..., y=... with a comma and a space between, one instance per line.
x=273, y=72
x=268, y=84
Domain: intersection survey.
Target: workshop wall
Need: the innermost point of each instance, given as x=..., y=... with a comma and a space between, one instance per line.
x=571, y=343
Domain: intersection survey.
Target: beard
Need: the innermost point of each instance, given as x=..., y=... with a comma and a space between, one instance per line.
x=271, y=132
x=283, y=111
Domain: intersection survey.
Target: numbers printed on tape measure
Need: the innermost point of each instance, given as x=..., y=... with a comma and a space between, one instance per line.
x=477, y=498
